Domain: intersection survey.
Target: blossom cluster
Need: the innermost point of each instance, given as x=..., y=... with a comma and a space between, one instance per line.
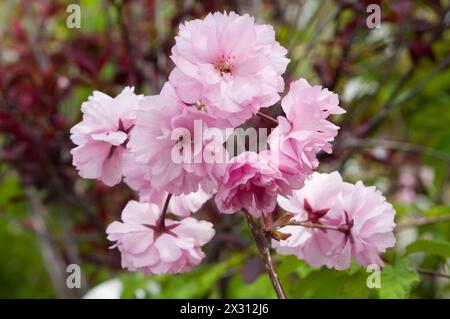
x=341, y=221
x=227, y=68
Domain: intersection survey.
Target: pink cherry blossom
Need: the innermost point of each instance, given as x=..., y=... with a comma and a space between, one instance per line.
x=365, y=220
x=372, y=221
x=181, y=205
x=135, y=175
x=154, y=249
x=184, y=205
x=229, y=64
x=171, y=139
x=320, y=195
x=305, y=131
x=102, y=135
x=250, y=182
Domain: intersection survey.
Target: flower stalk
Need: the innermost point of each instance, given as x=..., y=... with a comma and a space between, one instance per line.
x=342, y=228
x=162, y=219
x=263, y=245
x=267, y=117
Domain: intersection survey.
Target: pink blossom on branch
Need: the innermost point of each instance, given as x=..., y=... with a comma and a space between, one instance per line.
x=229, y=64
x=321, y=194
x=145, y=245
x=365, y=218
x=102, y=135
x=172, y=148
x=305, y=131
x=227, y=68
x=250, y=182
x=181, y=205
x=184, y=205
x=372, y=220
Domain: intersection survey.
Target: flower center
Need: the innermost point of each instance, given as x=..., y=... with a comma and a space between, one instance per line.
x=347, y=227
x=223, y=68
x=121, y=128
x=225, y=65
x=158, y=231
x=314, y=215
x=200, y=106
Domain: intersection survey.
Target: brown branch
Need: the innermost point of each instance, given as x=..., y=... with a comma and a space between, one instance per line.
x=393, y=103
x=352, y=142
x=432, y=273
x=262, y=243
x=66, y=192
x=424, y=221
x=307, y=224
x=313, y=40
x=267, y=117
x=162, y=219
x=52, y=257
x=414, y=223
x=126, y=37
x=37, y=37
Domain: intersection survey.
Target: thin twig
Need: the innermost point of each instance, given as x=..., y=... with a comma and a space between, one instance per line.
x=125, y=34
x=353, y=142
x=36, y=36
x=424, y=221
x=162, y=219
x=314, y=38
x=390, y=106
x=262, y=243
x=307, y=224
x=432, y=273
x=52, y=257
x=267, y=117
x=67, y=193
x=392, y=103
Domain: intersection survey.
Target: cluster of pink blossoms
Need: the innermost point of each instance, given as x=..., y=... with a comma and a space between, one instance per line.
x=171, y=149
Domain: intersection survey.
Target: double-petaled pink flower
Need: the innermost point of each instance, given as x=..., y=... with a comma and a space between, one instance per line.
x=250, y=182
x=181, y=205
x=102, y=135
x=305, y=131
x=172, y=140
x=154, y=248
x=229, y=64
x=359, y=219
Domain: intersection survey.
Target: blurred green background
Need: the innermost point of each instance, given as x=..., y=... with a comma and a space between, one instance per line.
x=394, y=82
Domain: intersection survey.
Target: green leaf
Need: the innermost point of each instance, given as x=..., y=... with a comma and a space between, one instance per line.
x=355, y=286
x=432, y=247
x=440, y=231
x=91, y=20
x=132, y=282
x=329, y=283
x=438, y=211
x=261, y=288
x=397, y=280
x=21, y=260
x=199, y=282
